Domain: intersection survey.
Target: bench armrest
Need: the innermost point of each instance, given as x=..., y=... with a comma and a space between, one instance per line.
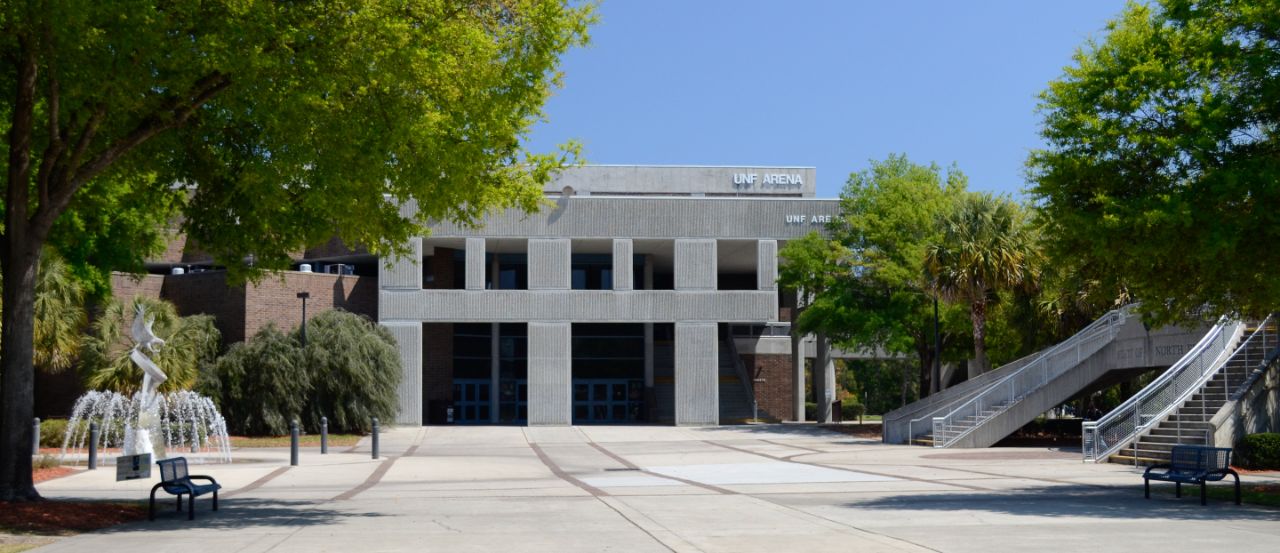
x=202, y=477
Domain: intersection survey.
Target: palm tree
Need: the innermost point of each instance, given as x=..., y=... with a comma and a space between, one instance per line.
x=189, y=343
x=59, y=314
x=987, y=245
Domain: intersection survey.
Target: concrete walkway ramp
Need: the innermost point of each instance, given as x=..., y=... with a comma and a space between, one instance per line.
x=997, y=406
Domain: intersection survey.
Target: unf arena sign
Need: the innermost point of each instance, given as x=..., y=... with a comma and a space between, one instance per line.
x=767, y=180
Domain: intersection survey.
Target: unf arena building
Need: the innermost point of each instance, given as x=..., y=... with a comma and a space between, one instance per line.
x=643, y=294
x=640, y=294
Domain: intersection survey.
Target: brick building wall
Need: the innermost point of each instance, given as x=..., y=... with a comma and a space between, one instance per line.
x=275, y=298
x=772, y=375
x=125, y=286
x=208, y=293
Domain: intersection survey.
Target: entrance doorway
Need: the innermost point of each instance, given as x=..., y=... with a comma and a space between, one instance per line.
x=608, y=373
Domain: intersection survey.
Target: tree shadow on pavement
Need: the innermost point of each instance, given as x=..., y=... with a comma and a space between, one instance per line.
x=1113, y=503
x=240, y=514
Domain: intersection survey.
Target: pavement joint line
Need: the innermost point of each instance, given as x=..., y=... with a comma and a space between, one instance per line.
x=840, y=468
x=597, y=493
x=257, y=483
x=561, y=474
x=997, y=475
x=630, y=465
x=381, y=471
x=809, y=449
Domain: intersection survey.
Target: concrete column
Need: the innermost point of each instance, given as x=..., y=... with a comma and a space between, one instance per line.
x=475, y=266
x=550, y=374
x=697, y=393
x=695, y=264
x=767, y=265
x=797, y=377
x=550, y=266
x=495, y=352
x=823, y=385
x=409, y=393
x=623, y=267
x=403, y=272
x=650, y=397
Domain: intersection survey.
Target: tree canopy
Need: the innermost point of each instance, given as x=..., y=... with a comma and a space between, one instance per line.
x=1162, y=164
x=262, y=127
x=870, y=271
x=986, y=245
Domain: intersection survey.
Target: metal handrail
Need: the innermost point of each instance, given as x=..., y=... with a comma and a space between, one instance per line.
x=1115, y=429
x=1155, y=402
x=947, y=406
x=1009, y=390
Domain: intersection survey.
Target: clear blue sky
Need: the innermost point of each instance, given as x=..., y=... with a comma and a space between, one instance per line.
x=829, y=84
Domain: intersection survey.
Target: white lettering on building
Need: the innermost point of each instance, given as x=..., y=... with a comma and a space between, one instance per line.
x=768, y=180
x=817, y=219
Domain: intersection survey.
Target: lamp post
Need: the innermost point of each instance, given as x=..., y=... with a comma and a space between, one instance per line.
x=303, y=296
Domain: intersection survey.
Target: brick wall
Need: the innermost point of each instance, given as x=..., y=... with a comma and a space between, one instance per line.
x=275, y=298
x=772, y=374
x=242, y=311
x=125, y=286
x=208, y=293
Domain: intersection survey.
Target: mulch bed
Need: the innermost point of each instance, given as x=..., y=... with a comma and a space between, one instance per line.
x=43, y=475
x=63, y=518
x=868, y=430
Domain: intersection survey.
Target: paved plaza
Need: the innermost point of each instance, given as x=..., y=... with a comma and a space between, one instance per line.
x=739, y=489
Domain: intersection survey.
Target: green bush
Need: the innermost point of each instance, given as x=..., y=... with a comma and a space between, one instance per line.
x=52, y=432
x=850, y=409
x=1258, y=451
x=348, y=372
x=260, y=385
x=355, y=369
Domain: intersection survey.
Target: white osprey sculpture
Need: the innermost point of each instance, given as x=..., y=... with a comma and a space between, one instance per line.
x=137, y=440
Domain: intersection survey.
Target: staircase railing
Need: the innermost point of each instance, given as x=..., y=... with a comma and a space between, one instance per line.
x=1150, y=405
x=1009, y=390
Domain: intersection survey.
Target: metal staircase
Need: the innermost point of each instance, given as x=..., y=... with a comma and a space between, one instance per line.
x=1041, y=383
x=1176, y=407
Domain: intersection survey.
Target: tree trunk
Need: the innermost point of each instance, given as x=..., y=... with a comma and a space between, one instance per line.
x=978, y=314
x=19, y=261
x=924, y=350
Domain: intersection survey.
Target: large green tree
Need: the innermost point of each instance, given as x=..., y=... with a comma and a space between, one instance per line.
x=1162, y=164
x=986, y=245
x=888, y=216
x=267, y=125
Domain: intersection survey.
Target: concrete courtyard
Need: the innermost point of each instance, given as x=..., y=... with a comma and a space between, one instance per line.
x=733, y=489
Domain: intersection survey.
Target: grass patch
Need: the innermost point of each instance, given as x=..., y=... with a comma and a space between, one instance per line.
x=306, y=440
x=19, y=547
x=1251, y=493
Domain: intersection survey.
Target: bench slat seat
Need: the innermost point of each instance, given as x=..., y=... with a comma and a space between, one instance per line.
x=175, y=480
x=1192, y=464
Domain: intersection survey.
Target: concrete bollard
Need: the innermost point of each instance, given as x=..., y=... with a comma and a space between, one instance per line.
x=293, y=443
x=35, y=437
x=93, y=445
x=375, y=437
x=324, y=435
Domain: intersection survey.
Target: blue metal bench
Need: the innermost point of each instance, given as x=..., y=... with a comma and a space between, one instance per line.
x=1192, y=464
x=175, y=480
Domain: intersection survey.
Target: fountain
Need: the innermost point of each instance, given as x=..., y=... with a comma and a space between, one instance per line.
x=187, y=420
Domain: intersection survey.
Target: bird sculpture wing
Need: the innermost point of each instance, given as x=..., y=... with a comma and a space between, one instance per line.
x=141, y=330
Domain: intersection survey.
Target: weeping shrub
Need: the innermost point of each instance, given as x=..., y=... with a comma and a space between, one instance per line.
x=260, y=385
x=355, y=369
x=348, y=372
